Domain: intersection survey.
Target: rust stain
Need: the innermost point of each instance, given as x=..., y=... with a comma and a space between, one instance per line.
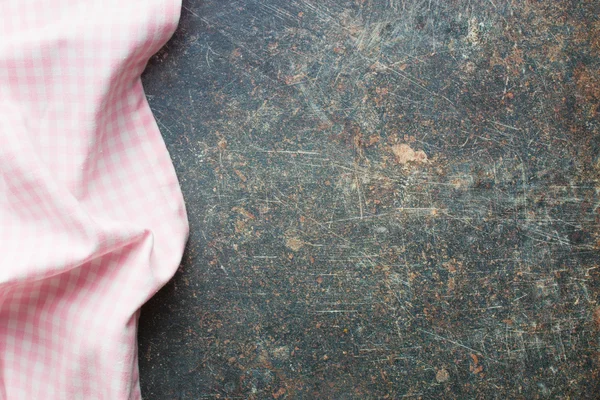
x=442, y=376
x=596, y=317
x=588, y=83
x=294, y=244
x=243, y=212
x=405, y=154
x=279, y=393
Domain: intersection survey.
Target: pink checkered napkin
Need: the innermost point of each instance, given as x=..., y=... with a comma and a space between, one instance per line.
x=92, y=221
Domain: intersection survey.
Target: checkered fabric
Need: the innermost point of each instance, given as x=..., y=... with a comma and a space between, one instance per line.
x=92, y=221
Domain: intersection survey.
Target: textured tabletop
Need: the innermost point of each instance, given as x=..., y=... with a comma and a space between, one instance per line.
x=387, y=199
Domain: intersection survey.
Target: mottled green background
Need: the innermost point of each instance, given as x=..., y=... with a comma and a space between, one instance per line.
x=388, y=199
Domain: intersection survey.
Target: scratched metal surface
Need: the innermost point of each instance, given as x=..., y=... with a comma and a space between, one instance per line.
x=387, y=199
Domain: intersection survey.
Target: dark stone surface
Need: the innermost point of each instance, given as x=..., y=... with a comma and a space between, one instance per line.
x=387, y=199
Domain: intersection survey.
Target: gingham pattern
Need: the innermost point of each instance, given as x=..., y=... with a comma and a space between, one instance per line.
x=92, y=221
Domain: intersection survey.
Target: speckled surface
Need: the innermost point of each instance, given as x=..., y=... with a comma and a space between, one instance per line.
x=388, y=199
